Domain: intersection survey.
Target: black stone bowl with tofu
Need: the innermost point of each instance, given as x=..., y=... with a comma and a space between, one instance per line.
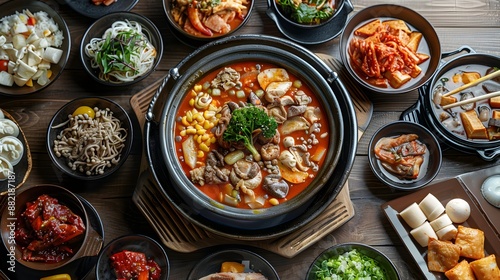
x=472, y=126
x=406, y=49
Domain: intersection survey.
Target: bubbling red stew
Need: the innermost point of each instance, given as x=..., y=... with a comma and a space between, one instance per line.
x=474, y=121
x=251, y=135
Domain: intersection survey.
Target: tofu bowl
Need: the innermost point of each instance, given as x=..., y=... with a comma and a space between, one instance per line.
x=43, y=33
x=400, y=65
x=469, y=127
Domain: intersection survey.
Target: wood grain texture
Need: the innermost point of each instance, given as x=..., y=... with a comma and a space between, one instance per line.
x=475, y=23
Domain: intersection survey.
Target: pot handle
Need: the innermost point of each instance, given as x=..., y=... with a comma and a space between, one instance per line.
x=464, y=48
x=150, y=113
x=489, y=155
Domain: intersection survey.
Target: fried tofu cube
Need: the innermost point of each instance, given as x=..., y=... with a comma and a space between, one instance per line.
x=398, y=25
x=414, y=42
x=368, y=29
x=486, y=268
x=396, y=79
x=471, y=242
x=495, y=102
x=415, y=71
x=494, y=131
x=445, y=100
x=461, y=271
x=469, y=77
x=473, y=126
x=442, y=255
x=422, y=57
x=495, y=114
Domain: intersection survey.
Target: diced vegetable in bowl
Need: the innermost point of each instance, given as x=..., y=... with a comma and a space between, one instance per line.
x=34, y=46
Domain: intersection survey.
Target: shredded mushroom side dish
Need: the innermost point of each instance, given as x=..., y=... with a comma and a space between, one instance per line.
x=91, y=144
x=124, y=52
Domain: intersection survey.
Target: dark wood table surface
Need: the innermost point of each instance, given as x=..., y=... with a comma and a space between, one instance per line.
x=475, y=23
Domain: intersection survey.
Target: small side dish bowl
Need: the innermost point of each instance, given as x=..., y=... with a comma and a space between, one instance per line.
x=420, y=42
x=428, y=169
x=310, y=33
x=85, y=245
x=388, y=267
x=144, y=26
x=151, y=249
x=198, y=33
x=57, y=125
x=11, y=8
x=212, y=264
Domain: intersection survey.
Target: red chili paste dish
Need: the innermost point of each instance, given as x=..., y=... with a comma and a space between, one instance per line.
x=129, y=265
x=47, y=231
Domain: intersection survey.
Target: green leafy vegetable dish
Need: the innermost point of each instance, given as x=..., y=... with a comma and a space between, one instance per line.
x=350, y=265
x=310, y=12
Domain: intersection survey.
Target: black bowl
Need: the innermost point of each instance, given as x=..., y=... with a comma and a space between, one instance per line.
x=311, y=34
x=212, y=263
x=62, y=115
x=10, y=8
x=90, y=244
x=135, y=243
x=97, y=29
x=429, y=44
x=385, y=263
x=193, y=40
x=89, y=9
x=432, y=158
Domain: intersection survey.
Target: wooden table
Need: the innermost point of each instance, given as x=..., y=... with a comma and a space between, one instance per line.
x=475, y=23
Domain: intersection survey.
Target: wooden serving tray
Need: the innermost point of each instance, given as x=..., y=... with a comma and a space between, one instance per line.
x=179, y=234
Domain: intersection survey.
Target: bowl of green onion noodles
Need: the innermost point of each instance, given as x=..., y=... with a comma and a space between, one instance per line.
x=121, y=48
x=352, y=261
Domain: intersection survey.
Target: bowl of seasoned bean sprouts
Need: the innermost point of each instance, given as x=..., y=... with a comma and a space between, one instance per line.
x=121, y=48
x=89, y=138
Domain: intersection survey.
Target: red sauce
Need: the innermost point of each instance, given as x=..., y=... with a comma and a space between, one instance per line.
x=48, y=231
x=249, y=81
x=129, y=265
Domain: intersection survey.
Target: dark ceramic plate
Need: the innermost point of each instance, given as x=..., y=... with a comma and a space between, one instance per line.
x=77, y=269
x=432, y=158
x=62, y=115
x=136, y=243
x=211, y=264
x=310, y=35
x=430, y=43
x=88, y=9
x=467, y=186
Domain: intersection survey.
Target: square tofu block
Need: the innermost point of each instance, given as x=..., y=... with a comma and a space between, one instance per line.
x=442, y=255
x=471, y=241
x=368, y=29
x=461, y=271
x=473, y=127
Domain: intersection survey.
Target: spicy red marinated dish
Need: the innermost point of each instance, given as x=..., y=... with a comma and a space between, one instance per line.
x=385, y=53
x=402, y=155
x=48, y=231
x=129, y=265
x=209, y=18
x=251, y=135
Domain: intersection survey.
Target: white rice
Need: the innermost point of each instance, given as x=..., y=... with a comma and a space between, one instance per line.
x=43, y=22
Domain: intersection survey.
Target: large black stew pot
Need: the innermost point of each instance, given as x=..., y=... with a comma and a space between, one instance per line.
x=426, y=112
x=245, y=223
